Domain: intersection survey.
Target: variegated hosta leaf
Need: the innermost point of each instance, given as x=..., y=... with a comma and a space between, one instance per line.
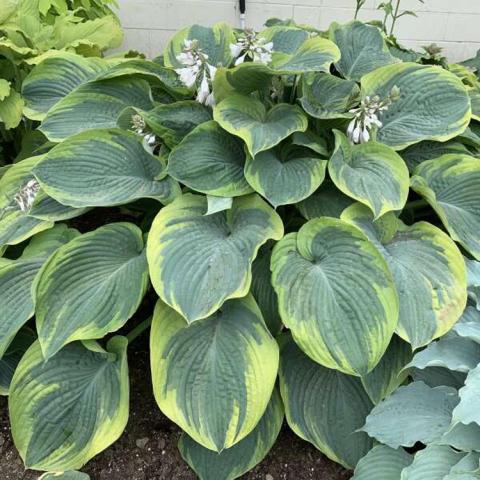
x=55, y=78
x=451, y=351
x=382, y=463
x=413, y=413
x=314, y=395
x=285, y=174
x=260, y=129
x=433, y=103
x=65, y=411
x=95, y=105
x=263, y=291
x=363, y=49
x=325, y=96
x=469, y=324
x=91, y=286
x=17, y=281
x=473, y=281
x=336, y=295
x=428, y=150
x=219, y=394
x=171, y=122
x=197, y=262
x=210, y=160
x=468, y=410
x=235, y=461
x=389, y=373
x=428, y=271
x=15, y=351
x=103, y=168
x=372, y=173
x=432, y=463
x=327, y=201
x=213, y=41
x=312, y=141
x=70, y=475
x=451, y=185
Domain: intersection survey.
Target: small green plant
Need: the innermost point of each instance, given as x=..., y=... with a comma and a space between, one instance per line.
x=393, y=13
x=304, y=209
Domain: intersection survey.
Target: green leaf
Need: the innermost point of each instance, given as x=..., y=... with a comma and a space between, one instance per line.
x=243, y=456
x=103, y=168
x=17, y=281
x=371, y=173
x=414, y=413
x=197, y=262
x=389, y=374
x=469, y=324
x=438, y=376
x=336, y=295
x=15, y=351
x=70, y=475
x=326, y=97
x=462, y=437
x=468, y=410
x=95, y=105
x=428, y=271
x=248, y=118
x=382, y=463
x=451, y=185
x=91, y=286
x=432, y=463
x=218, y=204
x=363, y=49
x=65, y=411
x=219, y=394
x=11, y=109
x=213, y=41
x=314, y=396
x=442, y=113
x=286, y=174
x=210, y=160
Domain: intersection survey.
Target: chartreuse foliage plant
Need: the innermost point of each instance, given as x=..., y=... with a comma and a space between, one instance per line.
x=304, y=209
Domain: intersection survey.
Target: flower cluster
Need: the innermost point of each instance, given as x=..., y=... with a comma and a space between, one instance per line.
x=139, y=126
x=365, y=117
x=25, y=197
x=196, y=68
x=251, y=47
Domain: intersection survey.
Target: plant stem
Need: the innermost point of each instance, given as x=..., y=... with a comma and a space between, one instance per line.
x=394, y=17
x=138, y=330
x=294, y=89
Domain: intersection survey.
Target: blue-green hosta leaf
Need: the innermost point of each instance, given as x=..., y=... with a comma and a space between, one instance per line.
x=336, y=295
x=260, y=129
x=451, y=185
x=468, y=410
x=371, y=173
x=473, y=281
x=213, y=41
x=432, y=463
x=15, y=351
x=439, y=377
x=103, y=168
x=462, y=437
x=91, y=286
x=382, y=463
x=17, y=279
x=325, y=96
x=56, y=77
x=314, y=396
x=218, y=204
x=428, y=271
x=469, y=324
x=433, y=103
x=413, y=413
x=171, y=122
x=218, y=394
x=235, y=461
x=451, y=351
x=70, y=475
x=65, y=411
x=363, y=49
x=95, y=105
x=210, y=160
x=327, y=201
x=388, y=374
x=197, y=262
x=428, y=150
x=312, y=141
x=286, y=174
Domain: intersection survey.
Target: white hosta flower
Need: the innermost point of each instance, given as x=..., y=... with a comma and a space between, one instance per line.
x=251, y=47
x=25, y=197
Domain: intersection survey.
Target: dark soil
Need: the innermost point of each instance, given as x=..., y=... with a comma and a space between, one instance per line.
x=148, y=448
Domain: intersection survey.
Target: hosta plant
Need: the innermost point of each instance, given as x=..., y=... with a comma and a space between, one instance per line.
x=303, y=206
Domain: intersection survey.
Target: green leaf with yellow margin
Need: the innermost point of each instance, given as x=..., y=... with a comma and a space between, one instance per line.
x=198, y=261
x=219, y=394
x=65, y=411
x=336, y=294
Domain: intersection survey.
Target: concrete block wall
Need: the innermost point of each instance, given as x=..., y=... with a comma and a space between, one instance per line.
x=452, y=24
